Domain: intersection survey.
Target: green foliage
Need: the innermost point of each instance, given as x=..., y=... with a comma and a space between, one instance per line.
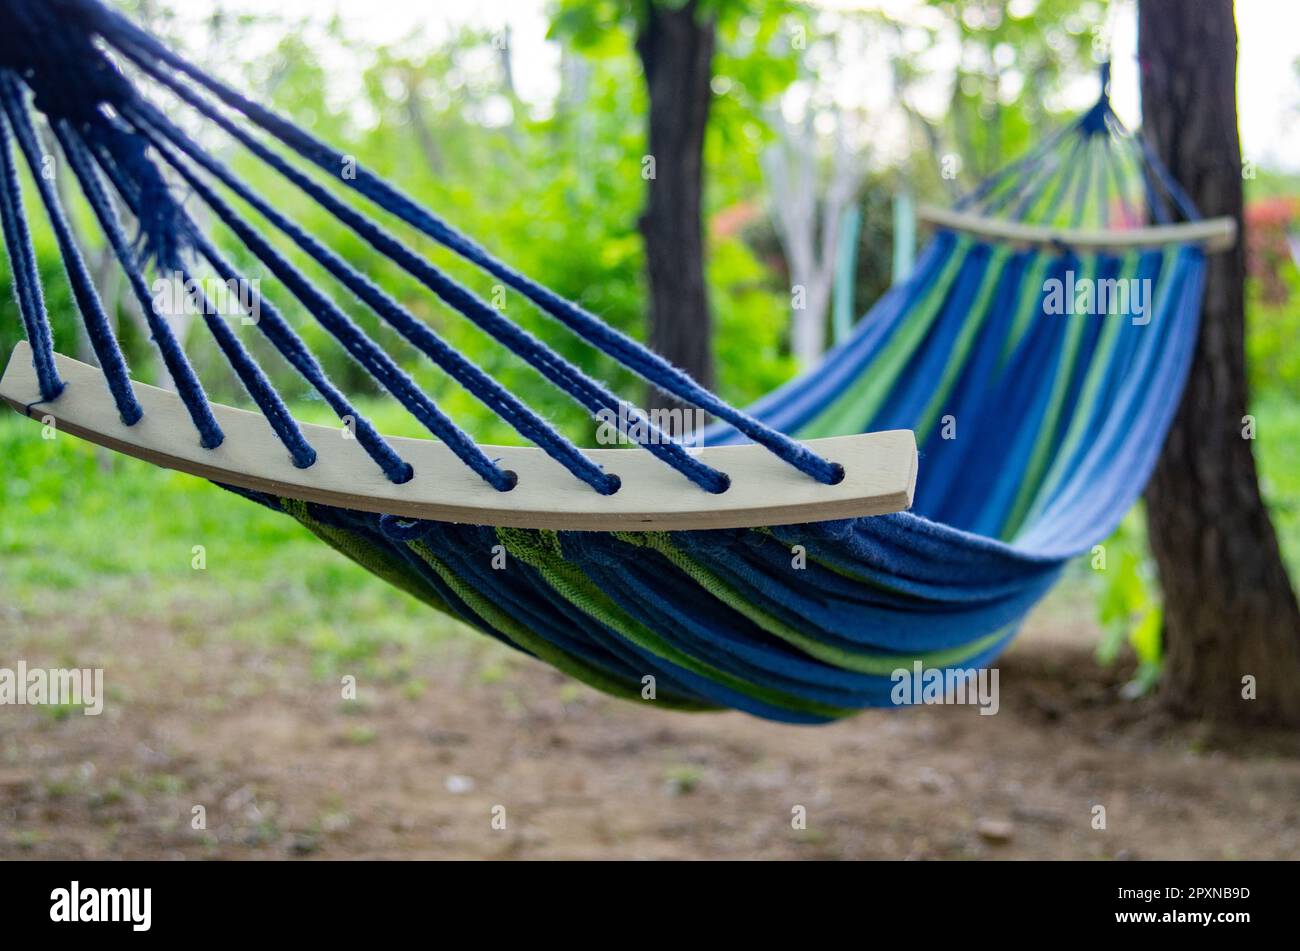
x=1277, y=453
x=1273, y=332
x=1271, y=183
x=1013, y=59
x=750, y=316
x=1128, y=600
x=89, y=531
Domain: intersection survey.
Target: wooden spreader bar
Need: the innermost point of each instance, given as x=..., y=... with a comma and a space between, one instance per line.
x=1213, y=234
x=880, y=468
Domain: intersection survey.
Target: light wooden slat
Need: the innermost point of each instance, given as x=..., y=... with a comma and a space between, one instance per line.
x=880, y=468
x=1214, y=234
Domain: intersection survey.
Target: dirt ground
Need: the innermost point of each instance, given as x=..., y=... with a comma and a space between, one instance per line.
x=283, y=767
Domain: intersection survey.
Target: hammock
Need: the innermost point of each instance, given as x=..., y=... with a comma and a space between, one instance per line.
x=1037, y=430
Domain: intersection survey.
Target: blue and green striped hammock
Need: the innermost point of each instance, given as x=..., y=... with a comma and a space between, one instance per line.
x=1037, y=431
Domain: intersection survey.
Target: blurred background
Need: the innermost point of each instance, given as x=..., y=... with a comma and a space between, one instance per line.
x=523, y=123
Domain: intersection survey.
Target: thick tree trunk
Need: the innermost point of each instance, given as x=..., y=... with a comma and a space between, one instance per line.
x=676, y=50
x=1230, y=612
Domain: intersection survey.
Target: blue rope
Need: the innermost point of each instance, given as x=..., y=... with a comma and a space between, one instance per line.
x=1118, y=184
x=483, y=387
x=1027, y=193
x=1084, y=188
x=1064, y=184
x=187, y=383
x=361, y=347
x=26, y=277
x=586, y=391
x=276, y=330
x=1018, y=170
x=256, y=384
x=1041, y=173
x=76, y=92
x=58, y=58
x=245, y=367
x=1157, y=208
x=98, y=328
x=144, y=50
x=105, y=344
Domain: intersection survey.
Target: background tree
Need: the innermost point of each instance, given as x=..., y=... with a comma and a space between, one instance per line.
x=710, y=67
x=808, y=204
x=675, y=45
x=1229, y=607
x=813, y=172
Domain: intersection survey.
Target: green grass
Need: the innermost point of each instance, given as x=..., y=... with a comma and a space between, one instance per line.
x=84, y=530
x=1277, y=453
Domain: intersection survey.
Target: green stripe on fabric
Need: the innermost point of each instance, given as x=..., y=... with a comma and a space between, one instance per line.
x=1031, y=293
x=1030, y=479
x=978, y=313
x=873, y=583
x=1084, y=411
x=853, y=409
x=377, y=561
x=864, y=663
x=540, y=647
x=541, y=550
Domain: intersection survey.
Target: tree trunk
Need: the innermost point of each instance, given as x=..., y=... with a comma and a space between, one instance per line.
x=676, y=50
x=1230, y=612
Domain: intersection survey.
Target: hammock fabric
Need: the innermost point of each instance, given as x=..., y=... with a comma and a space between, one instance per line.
x=1037, y=430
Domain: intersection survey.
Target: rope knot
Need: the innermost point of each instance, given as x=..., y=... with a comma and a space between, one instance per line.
x=51, y=45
